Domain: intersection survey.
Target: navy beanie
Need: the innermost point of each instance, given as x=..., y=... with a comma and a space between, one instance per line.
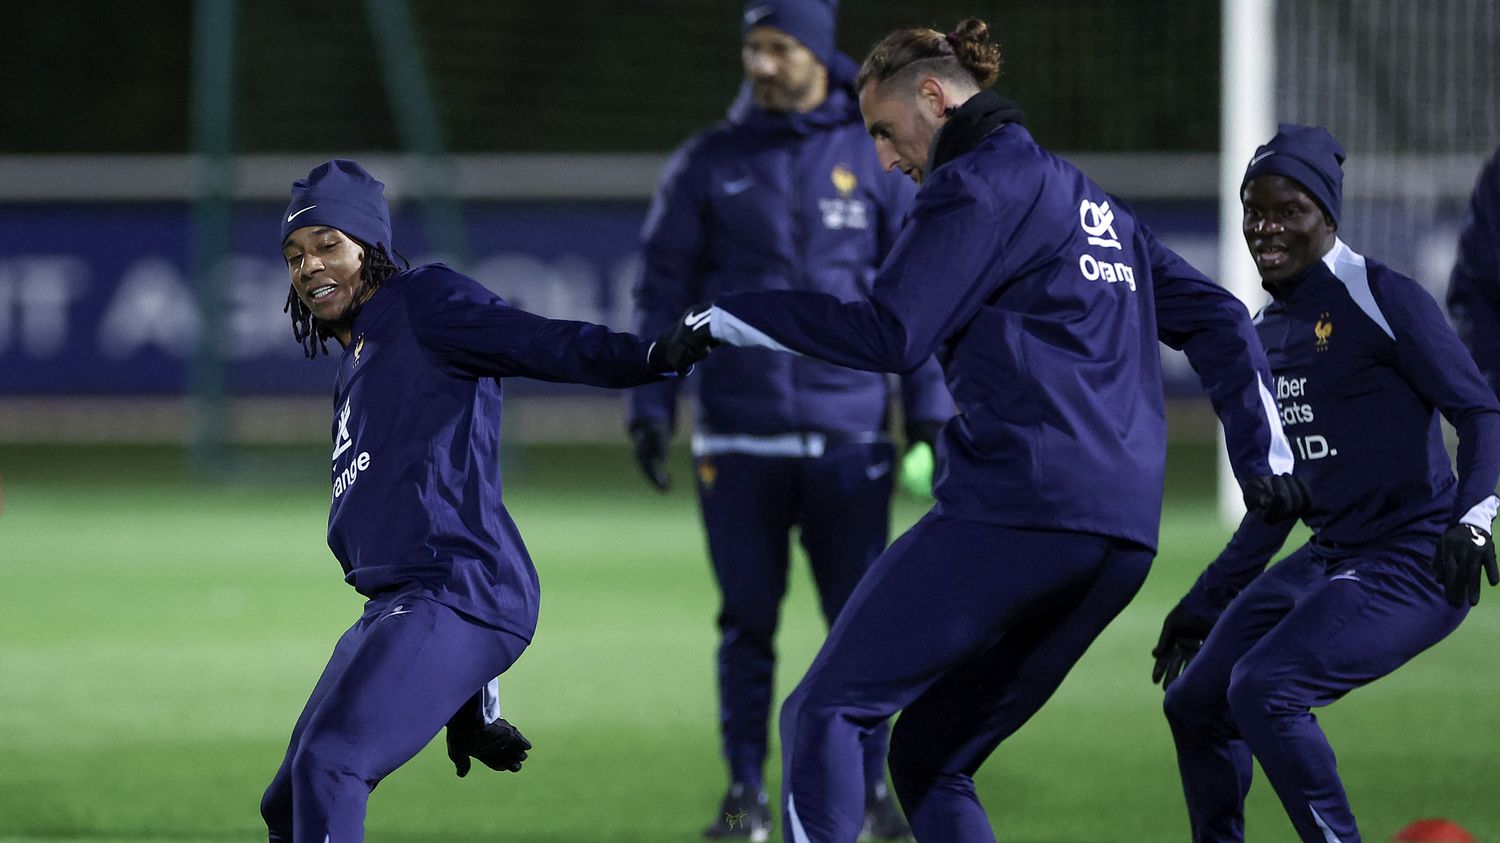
x=809, y=21
x=340, y=194
x=1309, y=156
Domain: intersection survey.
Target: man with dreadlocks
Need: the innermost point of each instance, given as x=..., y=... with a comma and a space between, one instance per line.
x=416, y=519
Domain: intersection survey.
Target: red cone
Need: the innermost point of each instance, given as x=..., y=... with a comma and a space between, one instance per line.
x=1434, y=831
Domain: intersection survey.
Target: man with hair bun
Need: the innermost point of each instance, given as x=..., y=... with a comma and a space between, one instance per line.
x=1044, y=299
x=786, y=193
x=1364, y=364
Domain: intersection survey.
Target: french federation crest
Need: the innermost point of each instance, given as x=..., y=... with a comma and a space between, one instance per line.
x=844, y=180
x=1323, y=330
x=707, y=473
x=845, y=212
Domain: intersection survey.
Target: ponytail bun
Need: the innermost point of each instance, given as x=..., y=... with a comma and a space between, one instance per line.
x=972, y=47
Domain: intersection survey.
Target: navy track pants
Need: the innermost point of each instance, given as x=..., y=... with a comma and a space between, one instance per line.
x=966, y=628
x=841, y=504
x=394, y=679
x=1305, y=633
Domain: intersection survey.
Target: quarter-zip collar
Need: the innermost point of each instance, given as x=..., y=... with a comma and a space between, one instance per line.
x=985, y=112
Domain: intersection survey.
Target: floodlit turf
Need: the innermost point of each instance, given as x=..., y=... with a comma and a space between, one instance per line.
x=158, y=637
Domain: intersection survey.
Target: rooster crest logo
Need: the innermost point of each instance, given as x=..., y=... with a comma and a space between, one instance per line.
x=845, y=180
x=707, y=474
x=1323, y=330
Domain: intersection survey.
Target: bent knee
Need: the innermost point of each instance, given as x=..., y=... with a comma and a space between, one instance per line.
x=906, y=758
x=917, y=771
x=1254, y=694
x=1187, y=701
x=276, y=807
x=809, y=712
x=804, y=710
x=320, y=762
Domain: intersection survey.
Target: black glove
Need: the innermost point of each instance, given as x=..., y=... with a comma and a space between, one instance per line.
x=1277, y=497
x=1461, y=553
x=1182, y=635
x=683, y=344
x=650, y=440
x=497, y=745
x=923, y=431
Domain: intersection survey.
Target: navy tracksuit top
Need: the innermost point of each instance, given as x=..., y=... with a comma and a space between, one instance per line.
x=1044, y=299
x=776, y=201
x=416, y=438
x=1364, y=362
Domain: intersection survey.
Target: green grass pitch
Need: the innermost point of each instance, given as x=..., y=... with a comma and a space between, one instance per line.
x=158, y=638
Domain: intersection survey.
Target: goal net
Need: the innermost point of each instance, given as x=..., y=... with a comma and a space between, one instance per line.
x=1412, y=90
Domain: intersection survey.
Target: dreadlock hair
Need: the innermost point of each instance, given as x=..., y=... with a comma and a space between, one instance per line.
x=312, y=334
x=965, y=54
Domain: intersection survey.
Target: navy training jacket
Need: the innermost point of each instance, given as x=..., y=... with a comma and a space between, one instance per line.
x=1044, y=299
x=777, y=201
x=1364, y=363
x=416, y=438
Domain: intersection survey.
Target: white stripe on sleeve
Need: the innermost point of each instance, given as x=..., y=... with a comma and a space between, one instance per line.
x=728, y=328
x=489, y=701
x=799, y=834
x=1280, y=456
x=1482, y=514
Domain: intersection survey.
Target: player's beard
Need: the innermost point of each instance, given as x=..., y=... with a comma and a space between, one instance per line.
x=778, y=95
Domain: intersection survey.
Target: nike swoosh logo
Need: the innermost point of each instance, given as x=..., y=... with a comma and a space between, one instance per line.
x=291, y=217
x=697, y=320
x=1347, y=575
x=1475, y=536
x=877, y=471
x=738, y=186
x=1261, y=157
x=399, y=610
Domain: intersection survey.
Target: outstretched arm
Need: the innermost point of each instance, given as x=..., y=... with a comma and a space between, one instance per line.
x=472, y=331
x=937, y=275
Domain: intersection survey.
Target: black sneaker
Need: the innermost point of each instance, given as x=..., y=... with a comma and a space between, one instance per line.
x=743, y=814
x=883, y=819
